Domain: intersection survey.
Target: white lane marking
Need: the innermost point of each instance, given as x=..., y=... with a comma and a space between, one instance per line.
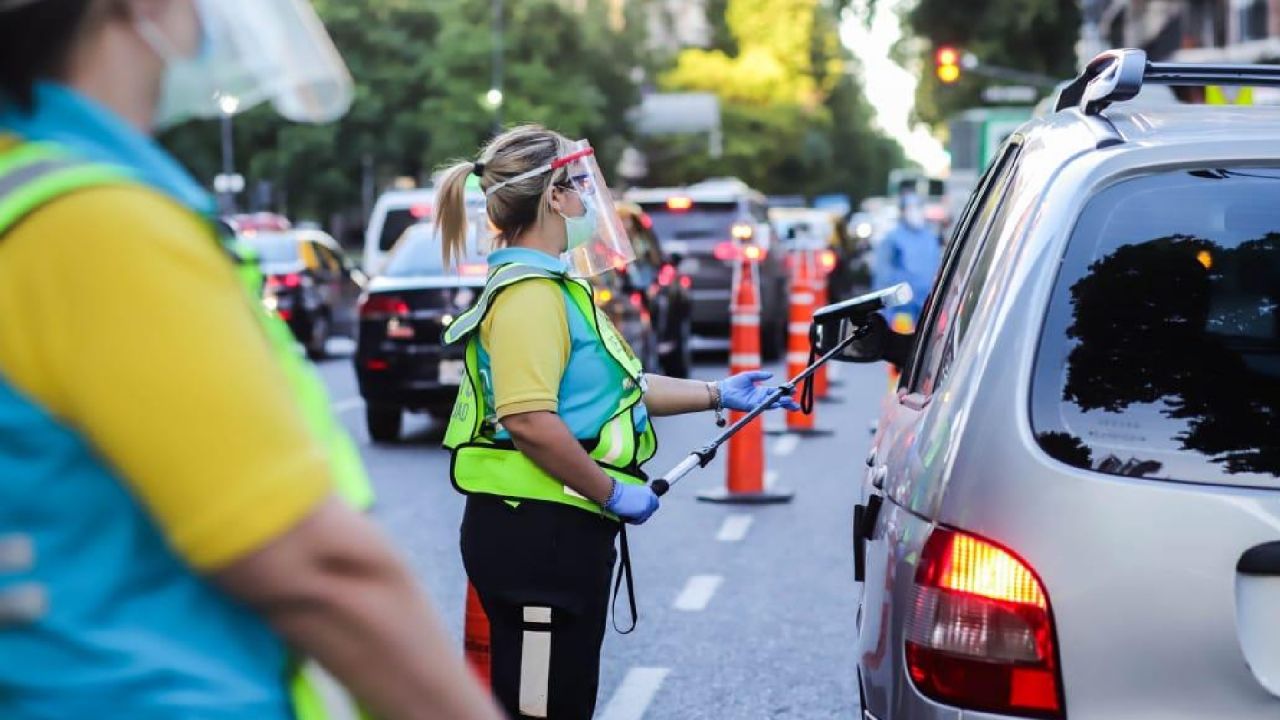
x=351, y=403
x=770, y=478
x=734, y=528
x=786, y=445
x=633, y=696
x=697, y=592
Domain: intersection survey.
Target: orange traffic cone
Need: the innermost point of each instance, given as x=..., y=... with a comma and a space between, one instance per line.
x=802, y=305
x=744, y=472
x=476, y=636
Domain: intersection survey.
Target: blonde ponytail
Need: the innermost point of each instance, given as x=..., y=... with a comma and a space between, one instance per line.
x=511, y=209
x=451, y=212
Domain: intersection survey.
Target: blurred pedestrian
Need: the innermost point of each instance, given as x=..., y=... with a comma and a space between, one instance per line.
x=171, y=545
x=910, y=253
x=551, y=426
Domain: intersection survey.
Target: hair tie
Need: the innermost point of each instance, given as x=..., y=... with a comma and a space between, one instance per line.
x=477, y=169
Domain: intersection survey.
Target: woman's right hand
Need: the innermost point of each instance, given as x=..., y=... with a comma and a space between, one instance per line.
x=633, y=503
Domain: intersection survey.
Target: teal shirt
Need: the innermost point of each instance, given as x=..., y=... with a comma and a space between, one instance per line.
x=592, y=382
x=98, y=616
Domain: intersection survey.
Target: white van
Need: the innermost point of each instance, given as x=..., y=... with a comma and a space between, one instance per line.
x=397, y=211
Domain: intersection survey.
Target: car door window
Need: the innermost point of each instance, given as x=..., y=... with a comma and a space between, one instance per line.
x=968, y=261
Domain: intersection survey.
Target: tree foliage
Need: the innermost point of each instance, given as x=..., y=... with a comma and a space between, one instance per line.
x=1031, y=35
x=794, y=120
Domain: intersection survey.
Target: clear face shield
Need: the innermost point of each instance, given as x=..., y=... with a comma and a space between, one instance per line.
x=596, y=240
x=254, y=51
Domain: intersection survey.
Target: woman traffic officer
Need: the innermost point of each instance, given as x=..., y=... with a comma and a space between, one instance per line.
x=551, y=425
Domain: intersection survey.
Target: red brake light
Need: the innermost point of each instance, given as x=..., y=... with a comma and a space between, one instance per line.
x=646, y=222
x=473, y=269
x=686, y=282
x=679, y=204
x=726, y=251
x=377, y=364
x=285, y=314
x=420, y=210
x=729, y=250
x=667, y=275
x=637, y=300
x=375, y=307
x=980, y=635
x=289, y=280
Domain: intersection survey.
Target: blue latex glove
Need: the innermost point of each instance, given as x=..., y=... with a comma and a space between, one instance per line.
x=740, y=392
x=632, y=503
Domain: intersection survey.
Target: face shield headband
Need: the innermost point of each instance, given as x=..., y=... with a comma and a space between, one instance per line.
x=554, y=165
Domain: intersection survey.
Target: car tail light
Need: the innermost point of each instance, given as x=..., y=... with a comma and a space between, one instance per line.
x=679, y=204
x=667, y=275
x=377, y=364
x=420, y=210
x=473, y=269
x=827, y=259
x=646, y=222
x=285, y=314
x=637, y=300
x=730, y=250
x=742, y=231
x=381, y=307
x=980, y=635
x=686, y=282
x=288, y=280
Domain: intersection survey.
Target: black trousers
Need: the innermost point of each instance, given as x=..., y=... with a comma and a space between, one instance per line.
x=542, y=572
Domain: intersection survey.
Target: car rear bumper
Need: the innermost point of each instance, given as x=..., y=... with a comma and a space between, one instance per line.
x=407, y=377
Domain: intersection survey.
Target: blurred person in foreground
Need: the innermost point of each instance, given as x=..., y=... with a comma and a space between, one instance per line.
x=172, y=542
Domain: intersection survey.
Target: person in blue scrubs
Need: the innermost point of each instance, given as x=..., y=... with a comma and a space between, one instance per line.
x=910, y=253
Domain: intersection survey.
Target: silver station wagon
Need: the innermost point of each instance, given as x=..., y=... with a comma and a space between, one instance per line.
x=1073, y=507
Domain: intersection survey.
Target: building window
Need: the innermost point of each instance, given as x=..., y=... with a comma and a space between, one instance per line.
x=1249, y=20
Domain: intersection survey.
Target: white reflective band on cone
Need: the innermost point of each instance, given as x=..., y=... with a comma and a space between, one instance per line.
x=805, y=298
x=747, y=319
x=798, y=357
x=799, y=328
x=748, y=359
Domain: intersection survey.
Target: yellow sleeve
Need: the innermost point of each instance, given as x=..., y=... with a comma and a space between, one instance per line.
x=124, y=319
x=526, y=334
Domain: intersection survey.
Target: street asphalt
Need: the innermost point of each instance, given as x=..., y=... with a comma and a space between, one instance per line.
x=745, y=611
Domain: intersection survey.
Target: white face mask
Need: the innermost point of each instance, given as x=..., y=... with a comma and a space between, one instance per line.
x=578, y=231
x=913, y=217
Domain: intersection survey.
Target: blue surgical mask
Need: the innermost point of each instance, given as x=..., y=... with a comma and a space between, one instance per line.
x=578, y=231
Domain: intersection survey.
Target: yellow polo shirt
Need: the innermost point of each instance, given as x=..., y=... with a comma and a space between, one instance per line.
x=526, y=333
x=121, y=315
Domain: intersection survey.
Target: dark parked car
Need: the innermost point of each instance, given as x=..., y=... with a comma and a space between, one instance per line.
x=309, y=283
x=710, y=226
x=654, y=285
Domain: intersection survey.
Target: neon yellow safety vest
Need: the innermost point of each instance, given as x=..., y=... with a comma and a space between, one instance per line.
x=36, y=174
x=484, y=464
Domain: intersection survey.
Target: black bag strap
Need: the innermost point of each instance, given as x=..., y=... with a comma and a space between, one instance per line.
x=624, y=572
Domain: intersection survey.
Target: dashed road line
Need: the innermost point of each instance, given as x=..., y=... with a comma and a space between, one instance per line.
x=632, y=698
x=786, y=445
x=351, y=403
x=734, y=528
x=697, y=592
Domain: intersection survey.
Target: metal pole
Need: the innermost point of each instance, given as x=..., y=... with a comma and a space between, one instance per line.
x=228, y=162
x=496, y=80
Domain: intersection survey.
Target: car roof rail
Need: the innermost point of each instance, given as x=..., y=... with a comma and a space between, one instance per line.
x=1118, y=75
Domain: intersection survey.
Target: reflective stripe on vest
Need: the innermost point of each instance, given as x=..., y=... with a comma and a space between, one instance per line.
x=484, y=465
x=34, y=174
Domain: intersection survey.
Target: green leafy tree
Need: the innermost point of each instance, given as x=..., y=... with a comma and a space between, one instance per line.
x=794, y=120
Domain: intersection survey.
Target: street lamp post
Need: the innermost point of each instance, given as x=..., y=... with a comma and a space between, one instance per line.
x=228, y=104
x=495, y=97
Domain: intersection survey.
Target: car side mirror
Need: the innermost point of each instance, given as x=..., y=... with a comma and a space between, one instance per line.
x=858, y=330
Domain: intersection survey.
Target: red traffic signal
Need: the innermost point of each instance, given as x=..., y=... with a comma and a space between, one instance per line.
x=947, y=61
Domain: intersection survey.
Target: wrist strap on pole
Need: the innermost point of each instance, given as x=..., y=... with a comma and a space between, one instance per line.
x=624, y=571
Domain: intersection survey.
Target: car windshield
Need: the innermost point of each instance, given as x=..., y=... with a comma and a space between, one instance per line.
x=398, y=220
x=273, y=248
x=692, y=222
x=418, y=253
x=1160, y=354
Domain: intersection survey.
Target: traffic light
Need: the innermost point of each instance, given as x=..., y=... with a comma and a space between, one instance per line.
x=947, y=64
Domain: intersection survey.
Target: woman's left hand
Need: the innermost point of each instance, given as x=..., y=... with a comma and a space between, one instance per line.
x=741, y=392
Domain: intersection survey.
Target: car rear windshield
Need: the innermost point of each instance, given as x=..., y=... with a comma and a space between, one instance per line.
x=1160, y=355
x=709, y=221
x=274, y=248
x=396, y=222
x=419, y=254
